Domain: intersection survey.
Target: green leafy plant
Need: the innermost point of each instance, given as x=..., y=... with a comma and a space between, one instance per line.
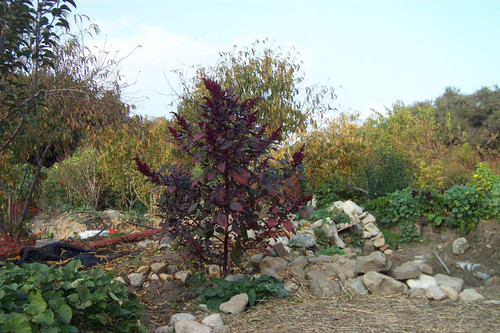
x=484, y=178
x=466, y=206
x=39, y=298
x=330, y=250
x=408, y=233
x=320, y=236
x=257, y=289
x=210, y=215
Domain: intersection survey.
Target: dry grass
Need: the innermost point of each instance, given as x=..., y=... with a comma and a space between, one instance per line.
x=365, y=314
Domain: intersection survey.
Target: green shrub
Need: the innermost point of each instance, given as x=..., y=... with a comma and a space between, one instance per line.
x=386, y=171
x=484, y=178
x=408, y=233
x=38, y=298
x=257, y=289
x=466, y=206
x=493, y=202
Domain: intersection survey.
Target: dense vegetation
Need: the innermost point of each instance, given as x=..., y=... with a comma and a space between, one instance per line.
x=68, y=139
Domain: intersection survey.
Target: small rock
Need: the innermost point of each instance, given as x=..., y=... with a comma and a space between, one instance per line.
x=385, y=247
x=435, y=293
x=367, y=247
x=273, y=266
x=164, y=329
x=416, y=292
x=214, y=320
x=256, y=259
x=367, y=234
x=405, y=272
x=422, y=267
x=303, y=240
x=154, y=277
x=171, y=269
x=319, y=259
x=470, y=295
x=321, y=286
x=165, y=277
x=120, y=279
x=380, y=284
x=191, y=326
x=180, y=316
x=300, y=261
x=460, y=245
x=136, y=279
x=350, y=208
x=236, y=304
x=334, y=238
x=159, y=267
x=452, y=293
x=369, y=218
x=280, y=250
x=376, y=261
x=423, y=282
x=182, y=275
x=214, y=271
x=372, y=229
x=290, y=286
x=144, y=244
x=143, y=269
x=388, y=252
x=453, y=282
x=357, y=287
x=379, y=240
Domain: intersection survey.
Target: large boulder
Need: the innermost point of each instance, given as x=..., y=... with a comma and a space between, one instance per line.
x=321, y=286
x=380, y=284
x=375, y=261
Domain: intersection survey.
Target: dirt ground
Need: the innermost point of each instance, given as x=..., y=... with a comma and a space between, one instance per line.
x=344, y=313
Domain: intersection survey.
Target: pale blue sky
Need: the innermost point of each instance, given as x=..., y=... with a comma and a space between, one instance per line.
x=374, y=52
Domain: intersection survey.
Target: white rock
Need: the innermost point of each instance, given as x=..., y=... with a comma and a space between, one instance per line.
x=136, y=279
x=423, y=282
x=337, y=206
x=180, y=316
x=372, y=229
x=350, y=208
x=120, y=279
x=450, y=281
x=154, y=277
x=367, y=234
x=435, y=293
x=182, y=275
x=144, y=244
x=452, y=293
x=236, y=304
x=470, y=295
x=388, y=252
x=191, y=326
x=143, y=269
x=214, y=320
x=379, y=240
x=460, y=245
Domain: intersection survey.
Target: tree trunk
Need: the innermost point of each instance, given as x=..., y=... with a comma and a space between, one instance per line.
x=29, y=195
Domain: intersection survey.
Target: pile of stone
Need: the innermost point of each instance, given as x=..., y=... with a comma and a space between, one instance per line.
x=294, y=263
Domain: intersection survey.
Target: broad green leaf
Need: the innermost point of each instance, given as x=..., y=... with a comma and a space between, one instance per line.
x=251, y=297
x=46, y=317
x=64, y=313
x=73, y=298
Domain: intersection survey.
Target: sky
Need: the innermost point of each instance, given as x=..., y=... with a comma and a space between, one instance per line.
x=373, y=52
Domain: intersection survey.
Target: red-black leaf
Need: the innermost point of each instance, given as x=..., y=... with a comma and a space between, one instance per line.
x=236, y=206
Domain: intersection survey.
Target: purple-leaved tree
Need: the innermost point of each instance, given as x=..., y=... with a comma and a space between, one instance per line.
x=238, y=186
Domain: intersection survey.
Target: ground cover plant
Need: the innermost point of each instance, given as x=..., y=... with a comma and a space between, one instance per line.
x=213, y=292
x=39, y=298
x=239, y=188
